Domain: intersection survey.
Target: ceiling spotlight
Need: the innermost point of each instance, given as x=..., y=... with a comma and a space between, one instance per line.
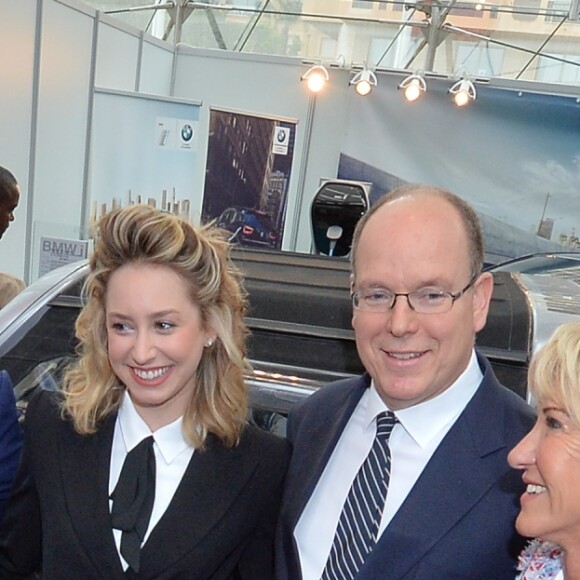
x=364, y=82
x=463, y=92
x=316, y=77
x=413, y=87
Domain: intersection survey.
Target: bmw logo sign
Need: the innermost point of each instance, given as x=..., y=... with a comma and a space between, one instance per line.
x=186, y=132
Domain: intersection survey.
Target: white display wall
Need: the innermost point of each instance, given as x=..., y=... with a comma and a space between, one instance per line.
x=58, y=58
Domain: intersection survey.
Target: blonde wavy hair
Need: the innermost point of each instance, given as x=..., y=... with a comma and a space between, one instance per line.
x=554, y=372
x=140, y=234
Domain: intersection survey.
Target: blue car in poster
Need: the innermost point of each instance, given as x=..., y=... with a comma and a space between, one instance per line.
x=249, y=227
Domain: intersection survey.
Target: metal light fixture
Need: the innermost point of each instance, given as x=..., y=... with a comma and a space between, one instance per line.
x=316, y=78
x=364, y=82
x=413, y=87
x=463, y=92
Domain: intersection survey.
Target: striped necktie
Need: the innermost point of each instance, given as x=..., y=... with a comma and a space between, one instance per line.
x=358, y=526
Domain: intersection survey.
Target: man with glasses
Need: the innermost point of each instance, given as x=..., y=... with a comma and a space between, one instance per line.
x=402, y=473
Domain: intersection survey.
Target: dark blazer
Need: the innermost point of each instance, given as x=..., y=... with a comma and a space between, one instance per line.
x=10, y=438
x=458, y=520
x=220, y=523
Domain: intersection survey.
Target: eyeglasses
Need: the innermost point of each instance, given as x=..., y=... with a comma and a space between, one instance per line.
x=429, y=300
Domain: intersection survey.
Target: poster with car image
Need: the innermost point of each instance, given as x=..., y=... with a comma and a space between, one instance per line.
x=249, y=160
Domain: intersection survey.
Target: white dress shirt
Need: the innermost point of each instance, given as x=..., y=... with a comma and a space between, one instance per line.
x=172, y=456
x=413, y=441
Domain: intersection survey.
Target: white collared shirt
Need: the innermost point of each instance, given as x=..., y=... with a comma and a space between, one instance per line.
x=413, y=441
x=172, y=456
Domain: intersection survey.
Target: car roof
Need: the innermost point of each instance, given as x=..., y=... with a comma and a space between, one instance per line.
x=539, y=263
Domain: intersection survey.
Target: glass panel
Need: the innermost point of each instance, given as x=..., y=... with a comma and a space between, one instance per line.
x=479, y=58
x=479, y=37
x=553, y=71
x=118, y=9
x=526, y=10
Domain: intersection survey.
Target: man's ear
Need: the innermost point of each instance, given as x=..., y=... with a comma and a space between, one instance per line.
x=482, y=292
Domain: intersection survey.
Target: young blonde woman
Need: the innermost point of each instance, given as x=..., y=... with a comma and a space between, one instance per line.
x=145, y=466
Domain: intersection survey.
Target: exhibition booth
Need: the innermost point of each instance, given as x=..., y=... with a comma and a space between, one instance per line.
x=105, y=115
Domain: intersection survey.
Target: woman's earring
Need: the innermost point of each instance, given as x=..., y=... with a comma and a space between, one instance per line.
x=209, y=342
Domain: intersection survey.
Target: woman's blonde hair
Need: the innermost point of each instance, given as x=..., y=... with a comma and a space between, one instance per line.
x=140, y=234
x=554, y=372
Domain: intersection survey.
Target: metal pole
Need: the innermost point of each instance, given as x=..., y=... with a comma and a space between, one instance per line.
x=303, y=166
x=432, y=40
x=179, y=21
x=543, y=214
x=539, y=51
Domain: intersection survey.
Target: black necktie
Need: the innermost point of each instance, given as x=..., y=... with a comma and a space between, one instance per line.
x=133, y=500
x=358, y=525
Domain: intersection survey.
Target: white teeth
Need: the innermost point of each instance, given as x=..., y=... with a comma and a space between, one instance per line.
x=535, y=488
x=150, y=375
x=405, y=355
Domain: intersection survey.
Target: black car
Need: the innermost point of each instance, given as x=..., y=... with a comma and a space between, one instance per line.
x=248, y=227
x=567, y=263
x=300, y=322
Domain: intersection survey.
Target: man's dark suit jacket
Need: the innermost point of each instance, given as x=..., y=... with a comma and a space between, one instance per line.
x=458, y=520
x=220, y=523
x=10, y=438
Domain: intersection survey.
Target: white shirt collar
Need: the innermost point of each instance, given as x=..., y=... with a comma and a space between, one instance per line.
x=169, y=439
x=425, y=420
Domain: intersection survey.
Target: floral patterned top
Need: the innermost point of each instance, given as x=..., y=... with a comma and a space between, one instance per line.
x=541, y=561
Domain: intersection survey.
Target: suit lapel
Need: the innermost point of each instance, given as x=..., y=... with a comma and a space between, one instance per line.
x=319, y=444
x=210, y=485
x=463, y=468
x=313, y=446
x=85, y=476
